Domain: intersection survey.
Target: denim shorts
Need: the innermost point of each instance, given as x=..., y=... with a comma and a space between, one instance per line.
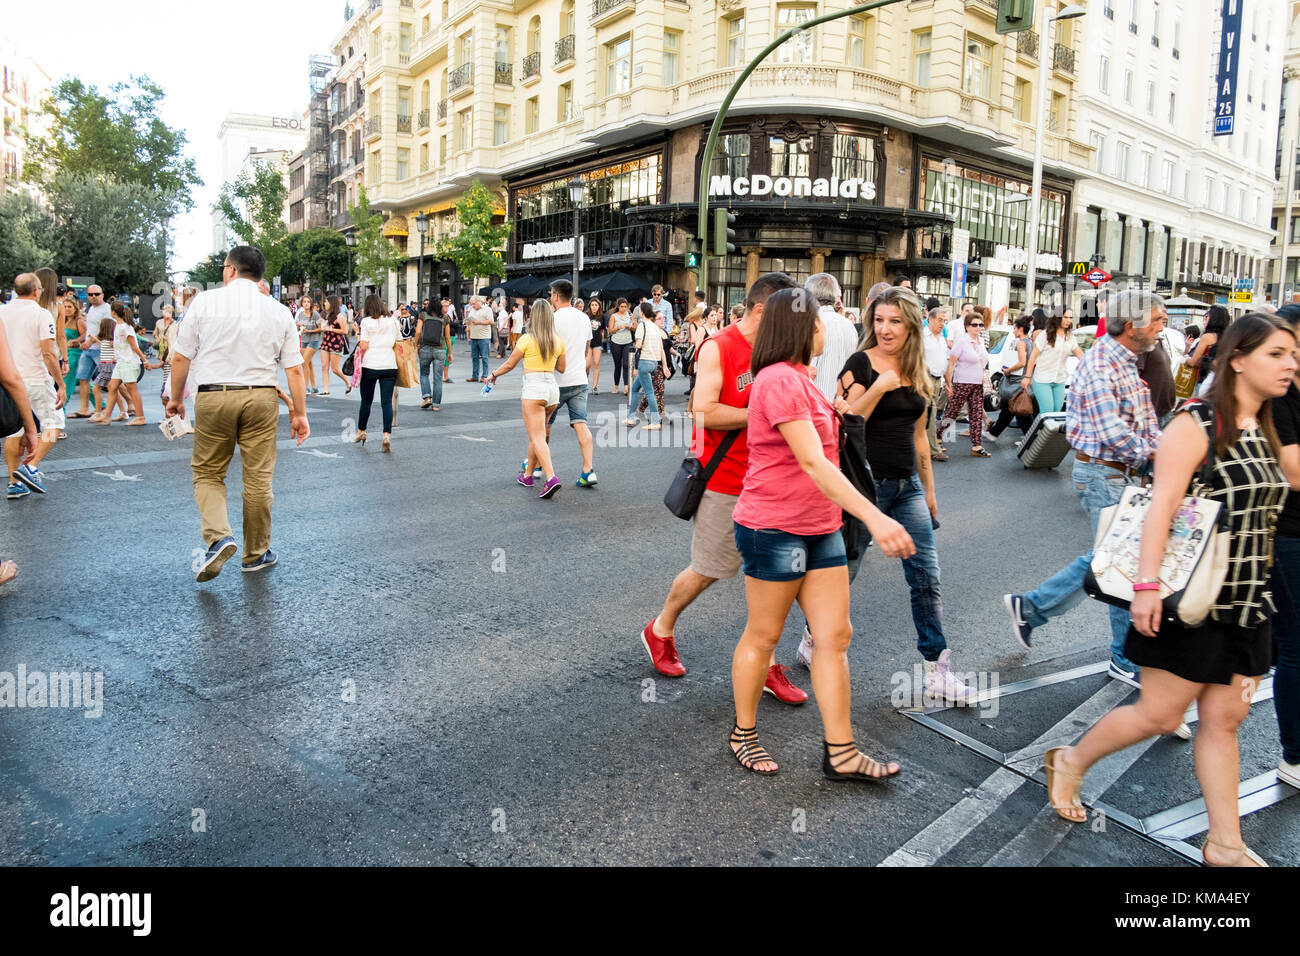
x=87, y=365
x=574, y=398
x=770, y=555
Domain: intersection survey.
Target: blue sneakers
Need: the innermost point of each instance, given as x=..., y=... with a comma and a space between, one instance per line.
x=217, y=555
x=18, y=491
x=267, y=560
x=30, y=477
x=586, y=480
x=537, y=469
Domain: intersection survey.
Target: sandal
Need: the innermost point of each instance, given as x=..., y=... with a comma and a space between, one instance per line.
x=749, y=751
x=1050, y=768
x=8, y=571
x=979, y=452
x=939, y=457
x=80, y=415
x=867, y=769
x=1241, y=851
x=137, y=422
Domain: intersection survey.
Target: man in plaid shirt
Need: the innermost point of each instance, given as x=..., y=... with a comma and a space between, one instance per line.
x=1112, y=426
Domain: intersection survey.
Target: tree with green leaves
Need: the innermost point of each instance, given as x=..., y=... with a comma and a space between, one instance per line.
x=476, y=246
x=27, y=239
x=375, y=255
x=109, y=230
x=118, y=136
x=253, y=207
x=208, y=272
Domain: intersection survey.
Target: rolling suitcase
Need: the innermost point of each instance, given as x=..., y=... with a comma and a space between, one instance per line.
x=1046, y=445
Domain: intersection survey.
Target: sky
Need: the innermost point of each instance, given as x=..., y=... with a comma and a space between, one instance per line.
x=240, y=56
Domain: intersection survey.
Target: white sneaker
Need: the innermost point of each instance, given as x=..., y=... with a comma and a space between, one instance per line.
x=940, y=684
x=804, y=654
x=1183, y=732
x=1289, y=773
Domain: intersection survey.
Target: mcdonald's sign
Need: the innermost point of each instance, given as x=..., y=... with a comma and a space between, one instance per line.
x=1078, y=268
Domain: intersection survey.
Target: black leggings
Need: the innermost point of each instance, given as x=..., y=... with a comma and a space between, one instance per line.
x=386, y=378
x=621, y=372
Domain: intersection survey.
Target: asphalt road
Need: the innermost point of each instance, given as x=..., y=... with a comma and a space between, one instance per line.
x=443, y=669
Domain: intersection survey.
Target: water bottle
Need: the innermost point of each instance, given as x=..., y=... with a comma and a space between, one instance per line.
x=486, y=388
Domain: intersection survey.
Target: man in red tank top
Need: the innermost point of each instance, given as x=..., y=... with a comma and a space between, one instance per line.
x=720, y=405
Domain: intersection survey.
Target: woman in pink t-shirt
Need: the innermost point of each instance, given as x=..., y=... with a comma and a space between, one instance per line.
x=787, y=528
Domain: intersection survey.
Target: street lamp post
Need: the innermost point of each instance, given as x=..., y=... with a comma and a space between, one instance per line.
x=351, y=241
x=422, y=227
x=577, y=192
x=1040, y=100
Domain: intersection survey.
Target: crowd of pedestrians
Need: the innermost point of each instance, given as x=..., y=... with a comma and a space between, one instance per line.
x=775, y=388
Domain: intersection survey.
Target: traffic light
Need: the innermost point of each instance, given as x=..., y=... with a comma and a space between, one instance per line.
x=723, y=234
x=1015, y=15
x=692, y=253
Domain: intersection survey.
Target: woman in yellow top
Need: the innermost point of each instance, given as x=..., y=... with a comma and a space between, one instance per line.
x=542, y=352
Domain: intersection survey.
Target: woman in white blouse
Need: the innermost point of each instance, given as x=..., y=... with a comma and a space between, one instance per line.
x=378, y=365
x=1047, y=370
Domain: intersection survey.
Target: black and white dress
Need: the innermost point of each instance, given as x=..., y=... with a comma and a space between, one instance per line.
x=1237, y=637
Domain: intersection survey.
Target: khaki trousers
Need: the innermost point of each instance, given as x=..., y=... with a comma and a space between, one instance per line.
x=222, y=420
x=932, y=419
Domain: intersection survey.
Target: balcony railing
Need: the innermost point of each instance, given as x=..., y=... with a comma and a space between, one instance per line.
x=404, y=123
x=442, y=110
x=505, y=74
x=372, y=126
x=599, y=7
x=341, y=220
x=1028, y=43
x=564, y=49
x=461, y=76
x=1063, y=58
x=532, y=65
x=422, y=119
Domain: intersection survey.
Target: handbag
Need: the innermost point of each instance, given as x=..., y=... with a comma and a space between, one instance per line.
x=349, y=364
x=1195, y=562
x=856, y=468
x=1009, y=385
x=408, y=368
x=1185, y=381
x=1021, y=403
x=687, y=488
x=11, y=419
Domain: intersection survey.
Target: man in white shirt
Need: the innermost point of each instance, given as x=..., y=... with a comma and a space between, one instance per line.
x=30, y=331
x=841, y=338
x=478, y=318
x=574, y=328
x=936, y=363
x=88, y=364
x=231, y=341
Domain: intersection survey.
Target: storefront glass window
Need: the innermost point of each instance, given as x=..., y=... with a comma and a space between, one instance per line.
x=797, y=269
x=791, y=159
x=854, y=156
x=544, y=213
x=847, y=270
x=978, y=202
x=727, y=281
x=731, y=155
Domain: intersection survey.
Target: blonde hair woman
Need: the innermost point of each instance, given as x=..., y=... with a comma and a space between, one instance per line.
x=888, y=383
x=542, y=352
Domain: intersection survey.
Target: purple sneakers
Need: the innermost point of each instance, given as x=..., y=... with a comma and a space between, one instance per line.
x=551, y=487
x=525, y=480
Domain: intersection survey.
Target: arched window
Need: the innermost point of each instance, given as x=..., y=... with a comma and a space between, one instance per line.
x=568, y=21
x=534, y=35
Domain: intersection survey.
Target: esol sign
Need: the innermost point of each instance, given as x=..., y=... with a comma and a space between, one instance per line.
x=758, y=185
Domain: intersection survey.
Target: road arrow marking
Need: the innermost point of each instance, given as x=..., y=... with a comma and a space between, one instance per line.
x=118, y=476
x=315, y=452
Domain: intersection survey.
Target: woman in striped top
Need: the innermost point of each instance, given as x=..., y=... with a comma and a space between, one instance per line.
x=1219, y=663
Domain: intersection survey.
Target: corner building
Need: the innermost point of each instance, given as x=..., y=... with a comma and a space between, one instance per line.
x=921, y=106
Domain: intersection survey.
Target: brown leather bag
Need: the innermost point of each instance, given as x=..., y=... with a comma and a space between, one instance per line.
x=1022, y=403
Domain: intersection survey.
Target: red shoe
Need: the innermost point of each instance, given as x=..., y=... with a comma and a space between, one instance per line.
x=662, y=651
x=779, y=686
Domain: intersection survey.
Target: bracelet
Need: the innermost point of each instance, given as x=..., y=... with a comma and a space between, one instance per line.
x=1146, y=586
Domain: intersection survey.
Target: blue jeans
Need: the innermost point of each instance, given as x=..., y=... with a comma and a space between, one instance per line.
x=1286, y=632
x=645, y=385
x=903, y=499
x=480, y=350
x=1098, y=487
x=431, y=357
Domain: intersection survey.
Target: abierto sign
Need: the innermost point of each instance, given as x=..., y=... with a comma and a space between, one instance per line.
x=759, y=186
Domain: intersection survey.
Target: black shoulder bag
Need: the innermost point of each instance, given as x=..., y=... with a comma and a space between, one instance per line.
x=684, y=494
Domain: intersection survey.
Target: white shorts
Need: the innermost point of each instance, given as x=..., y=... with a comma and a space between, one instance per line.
x=541, y=386
x=43, y=398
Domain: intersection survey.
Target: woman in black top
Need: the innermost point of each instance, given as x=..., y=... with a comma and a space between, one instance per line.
x=1286, y=576
x=887, y=383
x=596, y=313
x=1217, y=664
x=1202, y=357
